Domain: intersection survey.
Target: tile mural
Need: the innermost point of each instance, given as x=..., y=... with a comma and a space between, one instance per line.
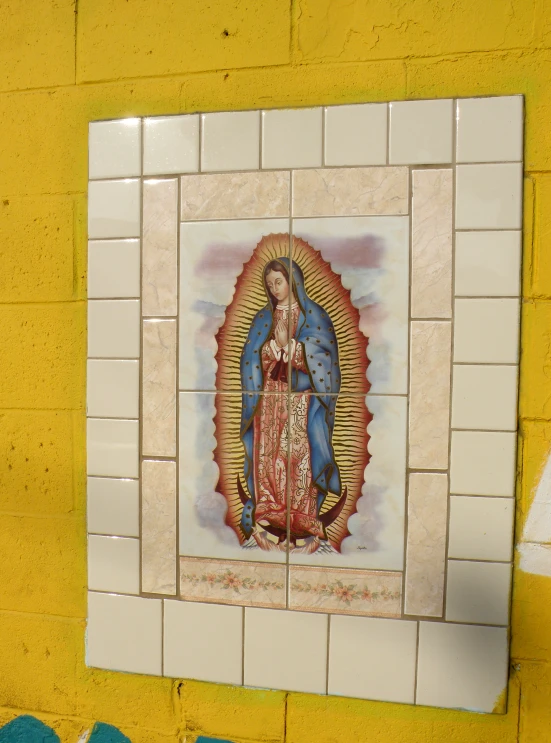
x=302, y=386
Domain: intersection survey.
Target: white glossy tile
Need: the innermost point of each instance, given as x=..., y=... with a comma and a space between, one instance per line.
x=112, y=389
x=372, y=658
x=486, y=331
x=299, y=635
x=478, y=592
x=484, y=397
x=483, y=463
x=481, y=528
x=171, y=144
x=356, y=135
x=461, y=666
x=487, y=264
x=203, y=642
x=113, y=506
x=489, y=129
x=114, y=329
x=112, y=447
x=230, y=141
x=124, y=633
x=113, y=209
x=114, y=149
x=292, y=138
x=421, y=132
x=113, y=564
x=113, y=269
x=488, y=197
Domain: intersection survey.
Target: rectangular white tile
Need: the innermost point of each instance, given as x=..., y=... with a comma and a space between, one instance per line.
x=489, y=129
x=113, y=506
x=487, y=264
x=372, y=658
x=230, y=141
x=356, y=135
x=113, y=564
x=158, y=542
x=350, y=192
x=421, y=132
x=483, y=463
x=159, y=388
x=486, y=331
x=114, y=328
x=112, y=447
x=171, y=144
x=429, y=408
x=426, y=544
x=299, y=635
x=431, y=244
x=481, y=528
x=478, y=592
x=114, y=148
x=113, y=269
x=203, y=642
x=113, y=388
x=124, y=633
x=484, y=397
x=463, y=667
x=488, y=197
x=292, y=138
x=160, y=248
x=113, y=209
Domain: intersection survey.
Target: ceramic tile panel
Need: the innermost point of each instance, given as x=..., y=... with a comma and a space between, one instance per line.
x=159, y=368
x=113, y=269
x=160, y=248
x=293, y=431
x=426, y=544
x=356, y=135
x=235, y=195
x=236, y=582
x=431, y=244
x=171, y=144
x=216, y=653
x=300, y=635
x=350, y=192
x=114, y=506
x=158, y=532
x=372, y=658
x=429, y=410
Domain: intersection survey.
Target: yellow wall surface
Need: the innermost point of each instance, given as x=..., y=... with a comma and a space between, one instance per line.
x=64, y=63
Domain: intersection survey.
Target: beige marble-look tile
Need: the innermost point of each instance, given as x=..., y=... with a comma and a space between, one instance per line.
x=481, y=528
x=429, y=394
x=113, y=269
x=124, y=633
x=341, y=591
x=489, y=129
x=356, y=134
x=235, y=195
x=159, y=388
x=203, y=642
x=372, y=658
x=478, y=592
x=461, y=666
x=342, y=192
x=426, y=544
x=114, y=328
x=233, y=582
x=160, y=248
x=431, y=258
x=486, y=331
x=113, y=564
x=484, y=397
x=483, y=463
x=158, y=540
x=487, y=263
x=112, y=447
x=299, y=635
x=113, y=506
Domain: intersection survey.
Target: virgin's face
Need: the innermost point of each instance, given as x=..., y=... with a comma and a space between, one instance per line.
x=278, y=285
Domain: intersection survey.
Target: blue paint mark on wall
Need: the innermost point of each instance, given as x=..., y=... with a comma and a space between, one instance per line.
x=103, y=733
x=27, y=729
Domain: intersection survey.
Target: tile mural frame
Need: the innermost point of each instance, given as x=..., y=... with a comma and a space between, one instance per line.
x=434, y=630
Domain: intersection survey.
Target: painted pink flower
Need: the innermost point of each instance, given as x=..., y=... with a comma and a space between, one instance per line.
x=232, y=581
x=343, y=593
x=211, y=578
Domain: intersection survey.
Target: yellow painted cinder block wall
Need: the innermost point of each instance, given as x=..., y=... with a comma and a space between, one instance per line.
x=66, y=62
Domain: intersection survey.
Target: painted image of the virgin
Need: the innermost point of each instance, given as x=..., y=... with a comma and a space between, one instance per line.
x=291, y=377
